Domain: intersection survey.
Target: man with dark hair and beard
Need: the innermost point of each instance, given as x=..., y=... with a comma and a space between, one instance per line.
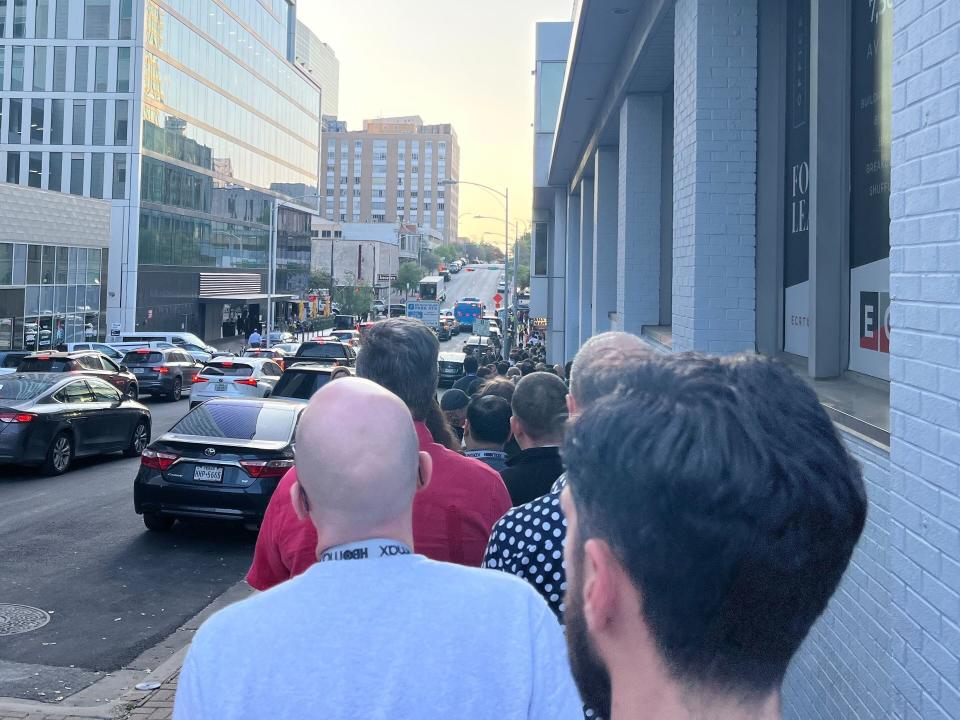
x=712, y=510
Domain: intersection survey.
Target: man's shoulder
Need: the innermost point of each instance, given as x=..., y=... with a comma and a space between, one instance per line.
x=480, y=585
x=545, y=508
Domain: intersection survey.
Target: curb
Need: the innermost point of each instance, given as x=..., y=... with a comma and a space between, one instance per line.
x=130, y=698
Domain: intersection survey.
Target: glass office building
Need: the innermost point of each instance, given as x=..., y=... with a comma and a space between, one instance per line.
x=192, y=145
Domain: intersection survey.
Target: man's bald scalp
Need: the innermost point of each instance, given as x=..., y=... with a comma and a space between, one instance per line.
x=597, y=367
x=357, y=454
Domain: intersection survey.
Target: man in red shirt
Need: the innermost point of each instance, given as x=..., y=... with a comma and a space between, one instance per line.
x=452, y=516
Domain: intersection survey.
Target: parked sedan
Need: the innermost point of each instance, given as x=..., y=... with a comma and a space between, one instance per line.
x=223, y=460
x=166, y=373
x=326, y=351
x=276, y=354
x=83, y=362
x=241, y=378
x=49, y=419
x=301, y=381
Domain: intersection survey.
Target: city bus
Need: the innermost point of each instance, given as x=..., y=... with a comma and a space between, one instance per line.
x=431, y=288
x=466, y=313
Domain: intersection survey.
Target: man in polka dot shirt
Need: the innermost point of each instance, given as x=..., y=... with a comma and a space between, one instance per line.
x=528, y=540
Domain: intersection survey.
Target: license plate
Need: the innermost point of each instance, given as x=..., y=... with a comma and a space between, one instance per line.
x=208, y=473
x=220, y=387
x=139, y=371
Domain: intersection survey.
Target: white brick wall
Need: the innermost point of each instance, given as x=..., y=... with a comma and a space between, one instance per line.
x=715, y=155
x=638, y=226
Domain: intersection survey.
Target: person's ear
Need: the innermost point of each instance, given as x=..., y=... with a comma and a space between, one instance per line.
x=299, y=499
x=571, y=405
x=466, y=429
x=425, y=472
x=516, y=429
x=601, y=576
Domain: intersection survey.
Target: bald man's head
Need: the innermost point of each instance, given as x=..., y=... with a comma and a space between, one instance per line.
x=357, y=458
x=598, y=366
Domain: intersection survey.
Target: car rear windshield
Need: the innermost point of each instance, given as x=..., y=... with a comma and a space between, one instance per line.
x=12, y=360
x=12, y=390
x=142, y=358
x=300, y=385
x=227, y=369
x=234, y=420
x=41, y=365
x=322, y=351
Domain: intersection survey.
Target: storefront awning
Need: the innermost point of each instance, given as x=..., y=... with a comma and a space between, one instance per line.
x=250, y=298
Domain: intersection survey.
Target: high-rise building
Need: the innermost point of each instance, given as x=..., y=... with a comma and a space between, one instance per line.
x=393, y=171
x=191, y=119
x=320, y=61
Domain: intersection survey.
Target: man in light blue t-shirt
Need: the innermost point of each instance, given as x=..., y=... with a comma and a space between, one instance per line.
x=374, y=630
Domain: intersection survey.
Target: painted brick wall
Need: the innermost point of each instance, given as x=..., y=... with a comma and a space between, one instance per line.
x=840, y=672
x=715, y=156
x=638, y=222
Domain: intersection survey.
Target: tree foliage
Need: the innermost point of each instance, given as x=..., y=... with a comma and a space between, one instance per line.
x=409, y=274
x=429, y=262
x=321, y=280
x=354, y=299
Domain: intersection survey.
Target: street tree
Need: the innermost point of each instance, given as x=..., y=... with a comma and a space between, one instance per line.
x=408, y=275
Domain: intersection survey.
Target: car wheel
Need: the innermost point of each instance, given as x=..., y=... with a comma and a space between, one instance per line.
x=157, y=522
x=177, y=392
x=132, y=392
x=59, y=455
x=139, y=440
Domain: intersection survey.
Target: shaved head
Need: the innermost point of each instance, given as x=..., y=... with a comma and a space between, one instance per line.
x=357, y=459
x=597, y=368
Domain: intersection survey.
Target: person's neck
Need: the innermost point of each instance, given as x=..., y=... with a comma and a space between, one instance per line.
x=474, y=445
x=666, y=700
x=332, y=536
x=529, y=444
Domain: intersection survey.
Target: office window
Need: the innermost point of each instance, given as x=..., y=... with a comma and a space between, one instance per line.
x=76, y=174
x=35, y=170
x=120, y=123
x=99, y=122
x=56, y=171
x=36, y=122
x=61, y=19
x=82, y=70
x=123, y=69
x=56, y=122
x=39, y=67
x=42, y=19
x=14, y=133
x=101, y=65
x=126, y=19
x=3, y=58
x=13, y=168
x=119, y=176
x=96, y=175
x=79, y=122
x=3, y=18
x=59, y=69
x=16, y=68
x=96, y=19
x=19, y=18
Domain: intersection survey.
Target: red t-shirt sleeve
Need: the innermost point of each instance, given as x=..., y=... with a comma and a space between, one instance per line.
x=268, y=568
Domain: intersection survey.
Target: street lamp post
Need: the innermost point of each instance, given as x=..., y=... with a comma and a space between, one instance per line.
x=506, y=233
x=272, y=260
x=506, y=258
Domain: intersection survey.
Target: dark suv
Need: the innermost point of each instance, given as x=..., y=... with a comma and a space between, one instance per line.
x=166, y=372
x=301, y=381
x=83, y=362
x=325, y=351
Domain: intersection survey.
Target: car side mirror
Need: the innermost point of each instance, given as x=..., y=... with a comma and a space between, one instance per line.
x=124, y=368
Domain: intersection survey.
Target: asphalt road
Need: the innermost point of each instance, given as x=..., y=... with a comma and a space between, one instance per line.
x=74, y=547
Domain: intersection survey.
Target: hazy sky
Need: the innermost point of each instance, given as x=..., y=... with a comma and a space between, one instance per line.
x=466, y=62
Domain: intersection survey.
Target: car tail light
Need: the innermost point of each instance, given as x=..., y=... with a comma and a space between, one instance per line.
x=266, y=468
x=157, y=460
x=143, y=352
x=227, y=364
x=200, y=379
x=247, y=381
x=15, y=417
x=161, y=370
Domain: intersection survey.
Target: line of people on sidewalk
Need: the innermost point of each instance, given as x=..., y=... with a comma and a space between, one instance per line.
x=698, y=516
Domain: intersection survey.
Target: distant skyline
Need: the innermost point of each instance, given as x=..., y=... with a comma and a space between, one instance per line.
x=464, y=63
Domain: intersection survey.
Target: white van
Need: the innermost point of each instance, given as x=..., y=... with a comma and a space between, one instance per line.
x=184, y=340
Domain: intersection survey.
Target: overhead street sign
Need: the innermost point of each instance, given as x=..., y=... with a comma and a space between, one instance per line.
x=498, y=298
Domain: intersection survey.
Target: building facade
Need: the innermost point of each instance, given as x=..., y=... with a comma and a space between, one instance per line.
x=190, y=118
x=54, y=252
x=320, y=61
x=781, y=177
x=393, y=171
x=360, y=253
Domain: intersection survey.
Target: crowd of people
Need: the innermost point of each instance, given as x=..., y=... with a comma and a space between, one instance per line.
x=633, y=536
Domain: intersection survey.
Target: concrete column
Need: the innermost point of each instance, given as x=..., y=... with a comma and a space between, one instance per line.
x=638, y=226
x=606, y=172
x=556, y=272
x=714, y=168
x=571, y=339
x=586, y=259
